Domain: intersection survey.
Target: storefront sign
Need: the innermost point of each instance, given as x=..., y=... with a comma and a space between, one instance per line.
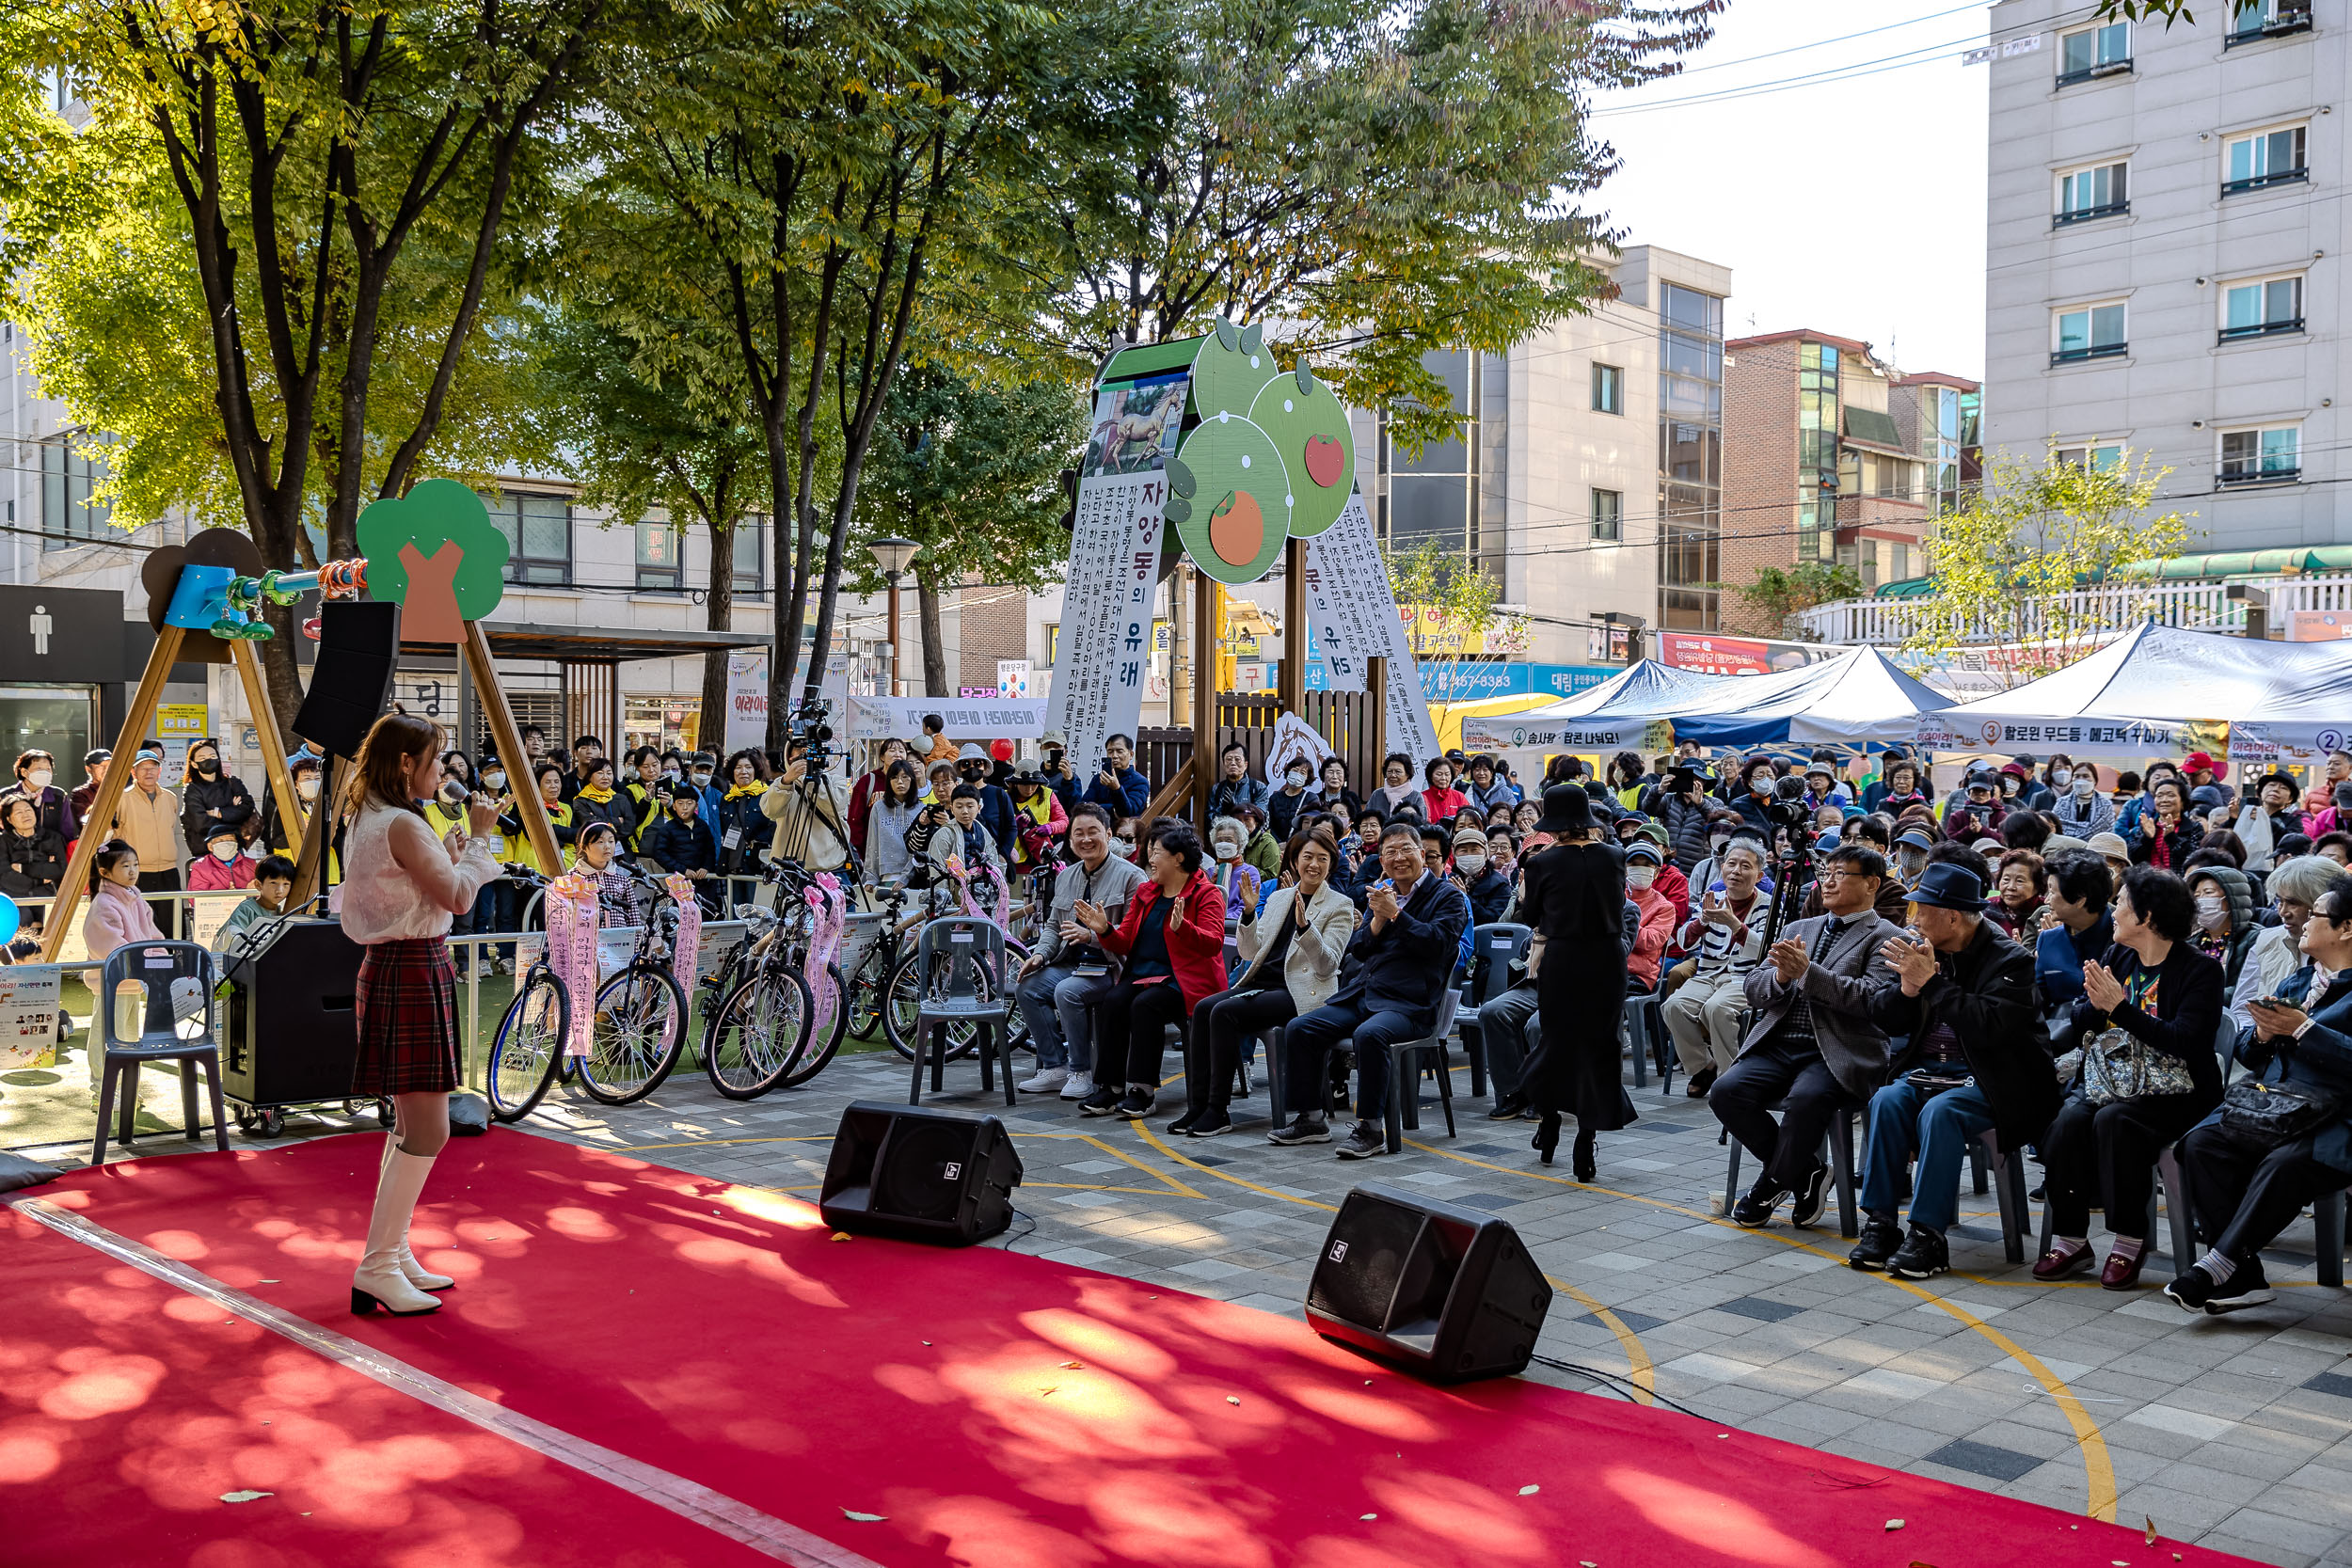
x=1114, y=571
x=1712, y=655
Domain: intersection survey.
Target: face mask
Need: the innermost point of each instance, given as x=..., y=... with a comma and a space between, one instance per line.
x=209, y=767
x=1912, y=861
x=2009, y=787
x=702, y=777
x=307, y=788
x=39, y=778
x=2213, y=908
x=2061, y=776
x=494, y=779
x=1640, y=876
x=1719, y=843
x=224, y=852
x=2084, y=786
x=1228, y=850
x=1471, y=864
x=1299, y=780
x=1124, y=848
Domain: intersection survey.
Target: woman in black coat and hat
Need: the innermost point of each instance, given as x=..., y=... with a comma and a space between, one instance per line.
x=1575, y=898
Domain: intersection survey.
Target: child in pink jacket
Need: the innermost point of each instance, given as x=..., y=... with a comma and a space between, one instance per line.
x=117, y=912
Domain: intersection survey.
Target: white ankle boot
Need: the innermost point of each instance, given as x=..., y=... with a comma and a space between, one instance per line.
x=419, y=1275
x=378, y=1281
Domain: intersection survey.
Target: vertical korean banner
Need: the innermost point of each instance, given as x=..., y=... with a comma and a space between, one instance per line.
x=1351, y=612
x=1114, y=572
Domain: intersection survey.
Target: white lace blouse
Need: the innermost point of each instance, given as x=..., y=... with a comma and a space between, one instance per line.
x=383, y=903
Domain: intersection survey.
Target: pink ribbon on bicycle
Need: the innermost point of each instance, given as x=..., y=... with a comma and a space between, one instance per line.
x=573, y=914
x=829, y=912
x=688, y=947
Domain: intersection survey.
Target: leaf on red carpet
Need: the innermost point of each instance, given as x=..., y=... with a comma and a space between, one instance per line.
x=1893, y=1523
x=840, y=1235
x=1231, y=1400
x=853, y=1513
x=244, y=1496
x=2152, y=1530
x=1529, y=1491
x=1074, y=1366
x=1367, y=1516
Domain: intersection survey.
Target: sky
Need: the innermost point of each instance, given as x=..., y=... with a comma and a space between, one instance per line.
x=1853, y=204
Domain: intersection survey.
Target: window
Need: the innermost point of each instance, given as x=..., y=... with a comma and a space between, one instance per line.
x=2261, y=309
x=2088, y=332
x=70, y=514
x=2094, y=52
x=1447, y=493
x=2256, y=20
x=658, y=548
x=751, y=556
x=1609, y=389
x=2269, y=455
x=2100, y=457
x=1053, y=643
x=538, y=532
x=1690, y=458
x=1818, y=422
x=2265, y=158
x=1608, y=513
x=2091, y=192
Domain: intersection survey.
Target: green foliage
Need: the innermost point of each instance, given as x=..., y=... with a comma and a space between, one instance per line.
x=1449, y=610
x=1381, y=181
x=2011, y=566
x=1782, y=591
x=436, y=512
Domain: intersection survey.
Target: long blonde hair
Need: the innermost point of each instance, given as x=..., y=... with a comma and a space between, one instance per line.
x=381, y=773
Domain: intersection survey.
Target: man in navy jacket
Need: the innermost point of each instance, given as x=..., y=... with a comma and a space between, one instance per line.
x=1397, y=968
x=1120, y=790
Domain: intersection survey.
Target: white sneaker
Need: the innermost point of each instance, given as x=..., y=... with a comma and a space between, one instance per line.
x=1047, y=1078
x=1078, y=1086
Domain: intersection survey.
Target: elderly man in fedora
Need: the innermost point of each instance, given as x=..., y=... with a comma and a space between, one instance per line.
x=1978, y=1058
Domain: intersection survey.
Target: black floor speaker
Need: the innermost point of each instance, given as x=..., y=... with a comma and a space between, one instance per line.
x=1447, y=1291
x=920, y=1175
x=352, y=680
x=294, y=1034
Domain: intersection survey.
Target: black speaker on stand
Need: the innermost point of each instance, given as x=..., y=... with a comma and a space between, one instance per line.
x=1448, y=1293
x=351, y=682
x=919, y=1174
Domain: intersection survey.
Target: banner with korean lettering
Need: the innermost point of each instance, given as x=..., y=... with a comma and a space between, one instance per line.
x=1106, y=637
x=2131, y=738
x=1351, y=612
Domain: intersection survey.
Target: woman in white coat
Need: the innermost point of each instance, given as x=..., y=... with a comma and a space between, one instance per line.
x=1293, y=948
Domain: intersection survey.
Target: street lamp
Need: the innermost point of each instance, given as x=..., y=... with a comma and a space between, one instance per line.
x=893, y=556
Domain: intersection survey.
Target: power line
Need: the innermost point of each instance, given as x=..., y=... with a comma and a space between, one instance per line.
x=1823, y=43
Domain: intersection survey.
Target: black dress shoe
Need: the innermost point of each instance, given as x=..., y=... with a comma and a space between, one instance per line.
x=1507, y=1108
x=1184, y=1125
x=1700, y=1083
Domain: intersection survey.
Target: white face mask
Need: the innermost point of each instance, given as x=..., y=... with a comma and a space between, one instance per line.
x=1640, y=876
x=1228, y=850
x=702, y=777
x=1297, y=781
x=2061, y=776
x=307, y=788
x=670, y=772
x=2084, y=786
x=1124, y=848
x=39, y=778
x=1471, y=864
x=224, y=852
x=494, y=779
x=2212, y=910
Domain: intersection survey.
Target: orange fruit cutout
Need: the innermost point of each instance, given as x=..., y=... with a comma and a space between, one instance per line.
x=1237, y=528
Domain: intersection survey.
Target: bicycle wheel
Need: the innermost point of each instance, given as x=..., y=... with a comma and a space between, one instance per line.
x=639, y=1029
x=527, y=1053
x=904, y=1003
x=865, y=990
x=825, y=1040
x=1016, y=1027
x=759, y=1033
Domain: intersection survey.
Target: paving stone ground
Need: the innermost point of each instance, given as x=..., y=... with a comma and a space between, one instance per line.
x=2234, y=1433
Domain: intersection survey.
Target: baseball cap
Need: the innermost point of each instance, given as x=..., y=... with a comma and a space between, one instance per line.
x=1917, y=836
x=96, y=754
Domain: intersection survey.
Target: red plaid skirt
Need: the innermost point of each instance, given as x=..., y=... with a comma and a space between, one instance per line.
x=407, y=1011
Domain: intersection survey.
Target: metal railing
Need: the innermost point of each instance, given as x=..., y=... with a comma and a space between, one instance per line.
x=2196, y=606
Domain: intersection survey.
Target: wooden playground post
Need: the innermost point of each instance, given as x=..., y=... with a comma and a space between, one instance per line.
x=136, y=722
x=249, y=663
x=510, y=739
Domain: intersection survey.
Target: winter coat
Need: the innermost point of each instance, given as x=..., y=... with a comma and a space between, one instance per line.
x=199, y=799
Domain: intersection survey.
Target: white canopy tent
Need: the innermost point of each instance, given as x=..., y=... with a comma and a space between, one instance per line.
x=2162, y=691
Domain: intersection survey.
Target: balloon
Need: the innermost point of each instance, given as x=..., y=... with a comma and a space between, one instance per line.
x=10, y=918
x=1000, y=750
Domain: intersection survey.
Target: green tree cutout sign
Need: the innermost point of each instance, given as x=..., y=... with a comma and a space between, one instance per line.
x=436, y=553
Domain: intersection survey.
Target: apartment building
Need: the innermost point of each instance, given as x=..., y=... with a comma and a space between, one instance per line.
x=1832, y=454
x=2165, y=261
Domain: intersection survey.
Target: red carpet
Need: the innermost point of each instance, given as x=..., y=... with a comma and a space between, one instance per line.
x=996, y=1409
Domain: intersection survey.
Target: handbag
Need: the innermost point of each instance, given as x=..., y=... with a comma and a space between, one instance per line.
x=2269, y=1115
x=2119, y=1065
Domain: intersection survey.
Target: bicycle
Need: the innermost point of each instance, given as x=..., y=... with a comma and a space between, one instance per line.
x=757, y=1036
x=641, y=1010
x=527, y=1052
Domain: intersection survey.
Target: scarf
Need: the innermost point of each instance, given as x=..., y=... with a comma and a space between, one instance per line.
x=740, y=791
x=595, y=793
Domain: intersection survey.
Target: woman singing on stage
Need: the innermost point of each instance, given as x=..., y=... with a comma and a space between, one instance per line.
x=403, y=886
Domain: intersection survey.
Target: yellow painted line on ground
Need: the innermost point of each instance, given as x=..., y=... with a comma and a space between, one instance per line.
x=1122, y=1154
x=2098, y=1467
x=1637, y=1359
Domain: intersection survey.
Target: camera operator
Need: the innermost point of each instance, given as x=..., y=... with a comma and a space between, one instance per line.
x=809, y=802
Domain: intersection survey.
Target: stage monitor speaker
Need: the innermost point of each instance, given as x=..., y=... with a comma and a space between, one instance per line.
x=920, y=1175
x=294, y=1028
x=352, y=680
x=1448, y=1291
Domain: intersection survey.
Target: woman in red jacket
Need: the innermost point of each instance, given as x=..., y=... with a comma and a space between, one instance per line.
x=1173, y=939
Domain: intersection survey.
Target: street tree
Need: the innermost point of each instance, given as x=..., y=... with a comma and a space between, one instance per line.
x=1451, y=616
x=2035, y=560
x=341, y=184
x=971, y=471
x=1780, y=593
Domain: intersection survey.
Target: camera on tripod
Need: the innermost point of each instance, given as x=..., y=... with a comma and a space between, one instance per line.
x=808, y=726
